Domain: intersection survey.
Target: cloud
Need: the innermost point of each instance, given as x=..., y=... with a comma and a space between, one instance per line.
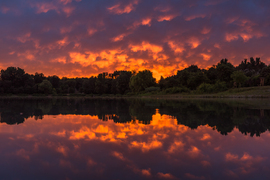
x=119, y=8
x=83, y=38
x=246, y=164
x=118, y=155
x=144, y=146
x=165, y=176
x=191, y=176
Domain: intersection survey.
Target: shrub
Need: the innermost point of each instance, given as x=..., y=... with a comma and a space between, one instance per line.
x=212, y=88
x=205, y=88
x=239, y=77
x=220, y=86
x=175, y=90
x=151, y=89
x=45, y=87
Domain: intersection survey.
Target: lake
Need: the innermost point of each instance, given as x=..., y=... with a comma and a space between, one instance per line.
x=72, y=138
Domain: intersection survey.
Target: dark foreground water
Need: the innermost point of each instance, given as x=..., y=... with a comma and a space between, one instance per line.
x=134, y=139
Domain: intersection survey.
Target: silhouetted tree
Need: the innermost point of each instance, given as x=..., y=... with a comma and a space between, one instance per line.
x=142, y=80
x=39, y=77
x=239, y=77
x=212, y=74
x=122, y=82
x=225, y=69
x=45, y=87
x=55, y=81
x=89, y=85
x=103, y=83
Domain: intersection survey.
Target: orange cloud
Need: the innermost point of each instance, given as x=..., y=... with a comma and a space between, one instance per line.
x=82, y=58
x=146, y=146
x=146, y=46
x=194, y=151
x=206, y=57
x=106, y=58
x=146, y=21
x=245, y=36
x=59, y=60
x=63, y=150
x=63, y=42
x=165, y=175
x=177, y=48
x=119, y=9
x=91, y=31
x=159, y=71
x=146, y=172
x=206, y=136
x=118, y=155
x=119, y=37
x=245, y=157
x=60, y=134
x=217, y=46
x=153, y=50
x=166, y=17
x=194, y=42
x=82, y=134
x=176, y=146
x=163, y=120
x=27, y=55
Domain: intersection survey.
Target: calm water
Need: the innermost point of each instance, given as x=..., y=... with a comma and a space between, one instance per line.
x=134, y=139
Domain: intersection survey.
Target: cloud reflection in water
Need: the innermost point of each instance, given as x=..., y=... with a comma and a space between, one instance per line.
x=80, y=146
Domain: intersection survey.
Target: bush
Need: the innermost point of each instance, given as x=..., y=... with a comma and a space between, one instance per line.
x=267, y=80
x=206, y=88
x=151, y=89
x=212, y=88
x=254, y=80
x=54, y=92
x=239, y=77
x=175, y=90
x=45, y=87
x=220, y=86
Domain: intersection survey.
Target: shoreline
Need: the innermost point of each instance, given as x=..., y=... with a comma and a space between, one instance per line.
x=259, y=92
x=168, y=96
x=254, y=102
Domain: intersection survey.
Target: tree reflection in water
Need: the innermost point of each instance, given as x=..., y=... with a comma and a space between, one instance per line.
x=221, y=116
x=133, y=139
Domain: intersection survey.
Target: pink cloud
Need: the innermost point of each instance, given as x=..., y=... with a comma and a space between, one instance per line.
x=121, y=9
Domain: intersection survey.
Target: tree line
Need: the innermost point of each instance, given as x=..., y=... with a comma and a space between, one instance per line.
x=189, y=113
x=217, y=78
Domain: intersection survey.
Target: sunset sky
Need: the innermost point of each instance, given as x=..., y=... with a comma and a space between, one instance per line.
x=81, y=38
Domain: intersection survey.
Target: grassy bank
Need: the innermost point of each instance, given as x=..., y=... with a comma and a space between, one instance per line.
x=245, y=92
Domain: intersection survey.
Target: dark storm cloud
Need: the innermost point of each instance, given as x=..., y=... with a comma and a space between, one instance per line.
x=82, y=38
